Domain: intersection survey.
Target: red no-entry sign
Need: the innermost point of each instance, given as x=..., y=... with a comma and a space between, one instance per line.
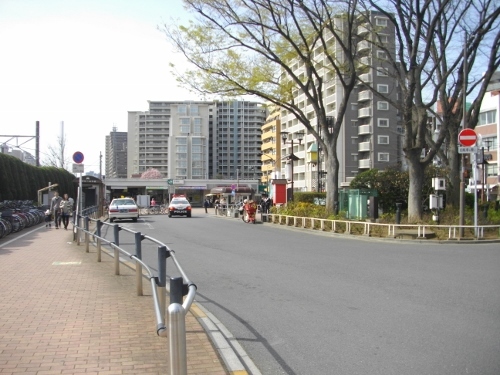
x=467, y=137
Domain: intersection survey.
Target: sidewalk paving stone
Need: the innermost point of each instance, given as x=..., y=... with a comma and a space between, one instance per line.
x=62, y=312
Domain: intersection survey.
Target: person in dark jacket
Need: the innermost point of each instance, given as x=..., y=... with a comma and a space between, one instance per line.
x=55, y=209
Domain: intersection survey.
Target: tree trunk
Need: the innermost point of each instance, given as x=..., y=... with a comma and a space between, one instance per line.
x=332, y=180
x=416, y=174
x=455, y=175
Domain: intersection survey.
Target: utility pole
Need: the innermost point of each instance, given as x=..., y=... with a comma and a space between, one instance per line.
x=37, y=144
x=101, y=189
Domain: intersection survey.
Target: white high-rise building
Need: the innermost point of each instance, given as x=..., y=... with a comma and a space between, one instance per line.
x=237, y=139
x=371, y=133
x=196, y=139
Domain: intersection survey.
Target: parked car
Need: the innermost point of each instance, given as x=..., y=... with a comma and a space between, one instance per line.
x=123, y=208
x=179, y=206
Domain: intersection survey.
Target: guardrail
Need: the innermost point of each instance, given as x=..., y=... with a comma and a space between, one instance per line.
x=179, y=286
x=382, y=229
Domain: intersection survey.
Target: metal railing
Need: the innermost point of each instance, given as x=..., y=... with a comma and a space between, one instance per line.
x=390, y=230
x=179, y=286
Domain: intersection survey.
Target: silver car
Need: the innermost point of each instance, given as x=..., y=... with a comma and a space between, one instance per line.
x=123, y=208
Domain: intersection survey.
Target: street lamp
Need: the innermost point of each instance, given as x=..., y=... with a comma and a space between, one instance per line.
x=285, y=136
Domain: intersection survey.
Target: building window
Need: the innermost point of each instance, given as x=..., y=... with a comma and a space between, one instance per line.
x=194, y=109
x=490, y=143
x=381, y=21
x=383, y=89
x=197, y=172
x=491, y=170
x=382, y=72
x=383, y=122
x=488, y=117
x=383, y=106
x=382, y=55
x=197, y=129
x=184, y=129
x=354, y=157
x=383, y=38
x=383, y=156
x=383, y=139
x=181, y=109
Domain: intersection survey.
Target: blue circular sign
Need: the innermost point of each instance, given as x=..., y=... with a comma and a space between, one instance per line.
x=78, y=157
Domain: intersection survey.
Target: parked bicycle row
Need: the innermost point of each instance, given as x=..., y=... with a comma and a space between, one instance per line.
x=17, y=215
x=154, y=210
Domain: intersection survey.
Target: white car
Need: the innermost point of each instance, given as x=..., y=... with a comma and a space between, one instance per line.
x=179, y=206
x=123, y=208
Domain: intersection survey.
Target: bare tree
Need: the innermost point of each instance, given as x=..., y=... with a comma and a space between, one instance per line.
x=54, y=157
x=429, y=68
x=275, y=50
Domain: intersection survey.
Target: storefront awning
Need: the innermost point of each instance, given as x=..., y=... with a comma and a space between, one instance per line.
x=229, y=190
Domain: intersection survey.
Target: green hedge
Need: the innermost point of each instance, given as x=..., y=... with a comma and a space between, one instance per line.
x=21, y=181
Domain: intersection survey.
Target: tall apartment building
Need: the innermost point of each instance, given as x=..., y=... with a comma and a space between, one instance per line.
x=196, y=139
x=116, y=154
x=237, y=139
x=271, y=146
x=171, y=137
x=371, y=134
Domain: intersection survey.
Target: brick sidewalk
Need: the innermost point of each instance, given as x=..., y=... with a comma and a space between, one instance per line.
x=62, y=312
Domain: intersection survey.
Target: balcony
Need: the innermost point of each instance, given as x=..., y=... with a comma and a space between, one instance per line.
x=364, y=164
x=367, y=77
x=365, y=112
x=364, y=146
x=364, y=129
x=363, y=30
x=367, y=60
x=363, y=46
x=365, y=95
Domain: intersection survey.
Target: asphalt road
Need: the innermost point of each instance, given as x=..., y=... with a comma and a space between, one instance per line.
x=314, y=303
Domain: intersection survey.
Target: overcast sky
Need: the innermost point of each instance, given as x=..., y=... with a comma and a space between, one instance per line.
x=84, y=62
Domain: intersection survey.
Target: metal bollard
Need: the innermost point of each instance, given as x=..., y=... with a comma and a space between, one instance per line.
x=98, y=240
x=87, y=237
x=398, y=213
x=116, y=252
x=162, y=277
x=177, y=339
x=78, y=230
x=138, y=266
x=176, y=294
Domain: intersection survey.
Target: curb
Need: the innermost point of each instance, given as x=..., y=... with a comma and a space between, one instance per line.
x=235, y=359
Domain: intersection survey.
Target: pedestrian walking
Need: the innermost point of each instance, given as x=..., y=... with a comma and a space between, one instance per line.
x=66, y=208
x=206, y=204
x=55, y=209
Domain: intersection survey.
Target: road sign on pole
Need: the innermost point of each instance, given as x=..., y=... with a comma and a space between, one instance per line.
x=467, y=150
x=78, y=157
x=467, y=137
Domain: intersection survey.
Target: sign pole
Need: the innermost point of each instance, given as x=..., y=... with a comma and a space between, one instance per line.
x=78, y=167
x=474, y=166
